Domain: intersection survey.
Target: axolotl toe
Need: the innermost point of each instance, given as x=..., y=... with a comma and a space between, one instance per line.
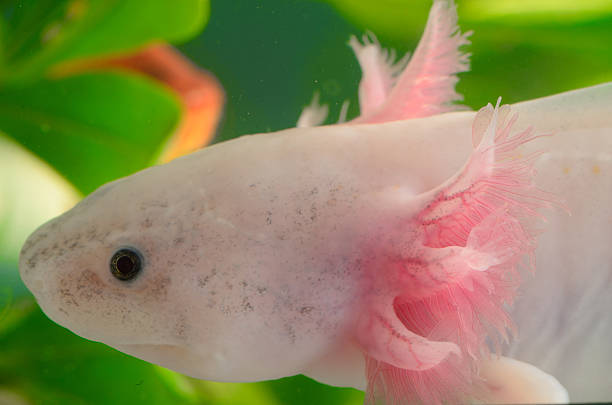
x=382, y=253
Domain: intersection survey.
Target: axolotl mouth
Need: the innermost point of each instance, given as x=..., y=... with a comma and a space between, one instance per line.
x=181, y=359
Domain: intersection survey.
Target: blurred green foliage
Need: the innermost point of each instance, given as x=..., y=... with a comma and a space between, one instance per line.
x=38, y=34
x=91, y=127
x=270, y=56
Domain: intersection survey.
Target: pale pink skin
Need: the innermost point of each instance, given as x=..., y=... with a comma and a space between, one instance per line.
x=311, y=249
x=562, y=312
x=565, y=330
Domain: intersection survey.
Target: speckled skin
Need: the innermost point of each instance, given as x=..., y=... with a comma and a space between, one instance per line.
x=251, y=251
x=243, y=264
x=254, y=248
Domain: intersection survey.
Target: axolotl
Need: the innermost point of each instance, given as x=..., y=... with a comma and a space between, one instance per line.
x=383, y=253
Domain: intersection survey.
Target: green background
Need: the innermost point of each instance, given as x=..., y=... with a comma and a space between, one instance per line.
x=270, y=56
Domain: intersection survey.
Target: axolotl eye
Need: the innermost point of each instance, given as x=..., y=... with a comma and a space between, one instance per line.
x=126, y=263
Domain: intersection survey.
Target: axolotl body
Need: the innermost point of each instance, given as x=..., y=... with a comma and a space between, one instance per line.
x=373, y=254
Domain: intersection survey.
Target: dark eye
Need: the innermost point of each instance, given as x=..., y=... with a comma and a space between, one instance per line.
x=126, y=264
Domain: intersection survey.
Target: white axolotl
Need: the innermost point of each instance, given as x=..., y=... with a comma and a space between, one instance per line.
x=373, y=254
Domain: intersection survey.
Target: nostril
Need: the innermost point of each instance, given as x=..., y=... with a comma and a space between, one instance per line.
x=28, y=267
x=26, y=262
x=31, y=275
x=36, y=255
x=34, y=249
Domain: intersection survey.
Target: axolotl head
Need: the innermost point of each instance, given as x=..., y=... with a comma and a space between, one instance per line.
x=173, y=265
x=148, y=265
x=107, y=271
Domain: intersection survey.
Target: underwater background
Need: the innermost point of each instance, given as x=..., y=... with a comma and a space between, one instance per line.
x=73, y=117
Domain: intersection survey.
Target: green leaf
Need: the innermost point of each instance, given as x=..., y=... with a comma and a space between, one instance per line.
x=38, y=34
x=92, y=128
x=44, y=363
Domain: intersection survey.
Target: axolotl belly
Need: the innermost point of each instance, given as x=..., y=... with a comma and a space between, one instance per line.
x=379, y=255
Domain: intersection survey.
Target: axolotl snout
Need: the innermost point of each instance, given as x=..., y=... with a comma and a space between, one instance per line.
x=382, y=253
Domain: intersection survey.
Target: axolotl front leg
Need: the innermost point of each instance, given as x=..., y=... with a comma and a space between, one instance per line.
x=384, y=337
